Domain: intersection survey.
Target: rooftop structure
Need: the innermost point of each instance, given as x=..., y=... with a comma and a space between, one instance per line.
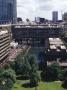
x=56, y=43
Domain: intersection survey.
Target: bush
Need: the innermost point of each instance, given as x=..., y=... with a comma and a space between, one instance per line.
x=65, y=83
x=9, y=73
x=51, y=72
x=65, y=78
x=6, y=84
x=7, y=79
x=60, y=76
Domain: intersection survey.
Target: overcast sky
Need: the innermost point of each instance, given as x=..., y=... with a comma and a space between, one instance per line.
x=43, y=8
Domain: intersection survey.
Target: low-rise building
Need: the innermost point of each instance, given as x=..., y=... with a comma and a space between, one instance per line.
x=57, y=49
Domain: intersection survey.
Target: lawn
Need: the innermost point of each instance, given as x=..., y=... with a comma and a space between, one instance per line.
x=42, y=86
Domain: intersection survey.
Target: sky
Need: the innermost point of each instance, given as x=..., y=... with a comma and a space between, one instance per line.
x=40, y=8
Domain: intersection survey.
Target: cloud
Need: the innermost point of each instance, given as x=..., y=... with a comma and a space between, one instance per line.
x=42, y=8
x=43, y=1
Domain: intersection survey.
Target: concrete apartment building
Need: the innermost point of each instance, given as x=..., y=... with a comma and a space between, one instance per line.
x=35, y=35
x=4, y=43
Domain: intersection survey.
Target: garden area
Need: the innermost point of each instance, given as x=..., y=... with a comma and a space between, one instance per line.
x=26, y=74
x=42, y=85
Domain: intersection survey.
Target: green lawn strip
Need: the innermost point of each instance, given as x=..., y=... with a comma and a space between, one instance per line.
x=50, y=86
x=42, y=85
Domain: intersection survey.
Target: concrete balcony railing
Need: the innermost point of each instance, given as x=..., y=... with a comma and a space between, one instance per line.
x=4, y=46
x=4, y=39
x=5, y=54
x=5, y=49
x=4, y=43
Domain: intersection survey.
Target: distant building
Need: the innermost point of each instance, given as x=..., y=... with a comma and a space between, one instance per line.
x=64, y=17
x=19, y=19
x=55, y=16
x=39, y=20
x=8, y=11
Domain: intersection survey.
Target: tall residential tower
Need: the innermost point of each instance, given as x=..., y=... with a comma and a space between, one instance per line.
x=8, y=11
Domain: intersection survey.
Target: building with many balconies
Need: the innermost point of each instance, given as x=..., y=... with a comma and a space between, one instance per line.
x=4, y=43
x=35, y=35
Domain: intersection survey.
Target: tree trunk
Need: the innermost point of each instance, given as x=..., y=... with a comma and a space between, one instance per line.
x=36, y=88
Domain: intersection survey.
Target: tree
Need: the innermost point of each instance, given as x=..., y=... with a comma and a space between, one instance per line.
x=34, y=78
x=65, y=83
x=1, y=71
x=60, y=75
x=7, y=79
x=19, y=19
x=21, y=65
x=51, y=73
x=9, y=73
x=6, y=84
x=65, y=73
x=34, y=75
x=43, y=60
x=65, y=78
x=33, y=62
x=64, y=36
x=27, y=20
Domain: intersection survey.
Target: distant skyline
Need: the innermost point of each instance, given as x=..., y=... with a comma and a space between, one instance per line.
x=42, y=8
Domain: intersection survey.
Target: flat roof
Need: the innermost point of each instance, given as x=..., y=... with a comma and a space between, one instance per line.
x=56, y=43
x=63, y=47
x=52, y=47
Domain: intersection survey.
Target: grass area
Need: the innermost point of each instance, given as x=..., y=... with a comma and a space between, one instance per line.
x=19, y=85
x=42, y=86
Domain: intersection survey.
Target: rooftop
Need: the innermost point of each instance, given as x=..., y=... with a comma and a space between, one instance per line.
x=56, y=43
x=31, y=25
